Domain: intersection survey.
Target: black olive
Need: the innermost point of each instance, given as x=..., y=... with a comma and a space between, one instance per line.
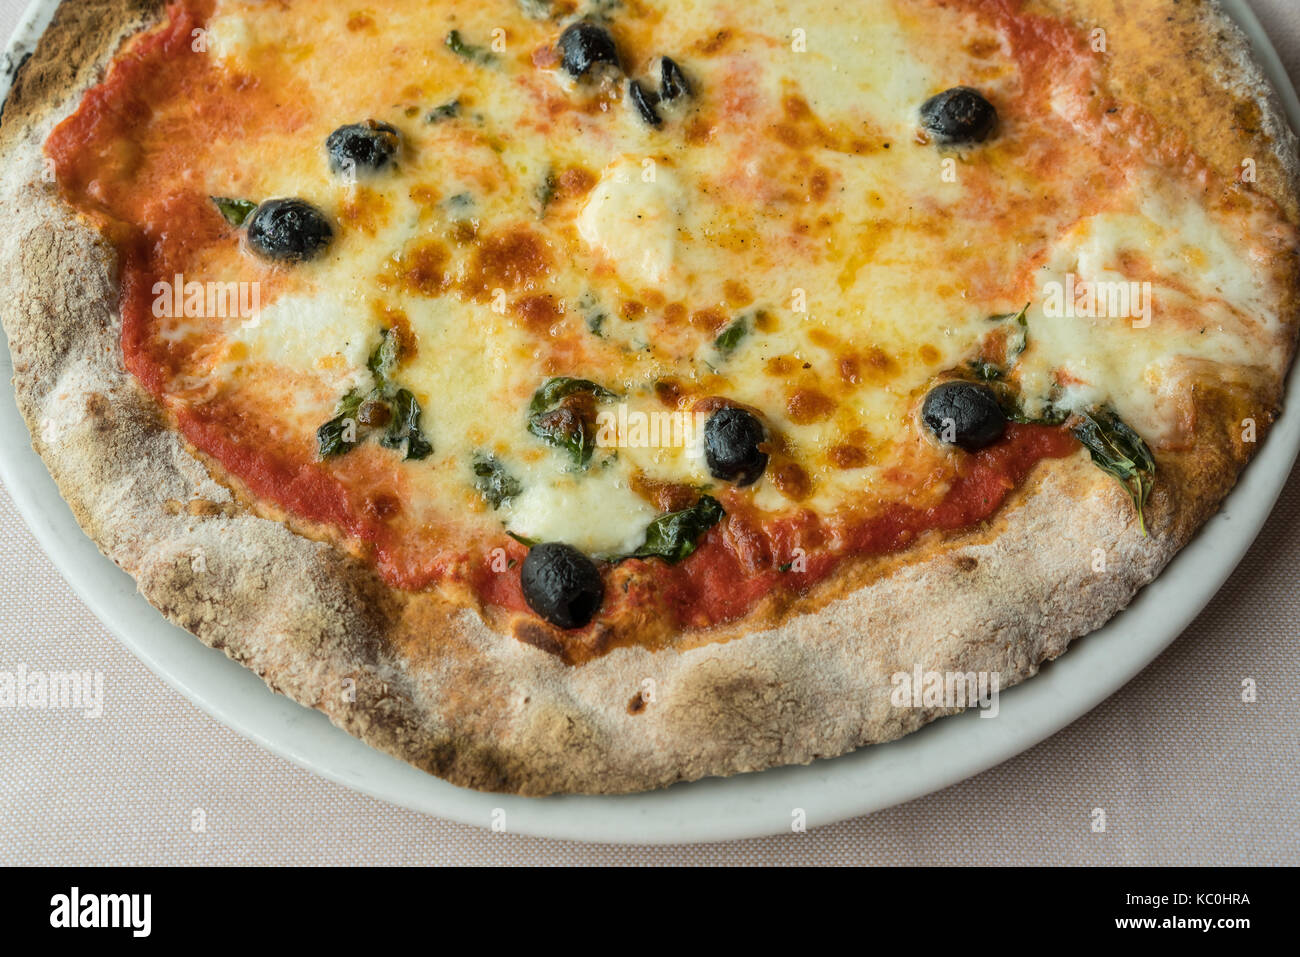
x=965, y=414
x=644, y=103
x=362, y=147
x=959, y=115
x=672, y=81
x=561, y=584
x=290, y=230
x=583, y=45
x=731, y=446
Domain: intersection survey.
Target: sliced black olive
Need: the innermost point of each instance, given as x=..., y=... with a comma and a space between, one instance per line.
x=731, y=446
x=561, y=584
x=362, y=147
x=959, y=115
x=672, y=81
x=964, y=414
x=583, y=45
x=644, y=103
x=289, y=230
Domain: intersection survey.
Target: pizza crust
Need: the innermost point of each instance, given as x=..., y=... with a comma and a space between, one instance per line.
x=422, y=679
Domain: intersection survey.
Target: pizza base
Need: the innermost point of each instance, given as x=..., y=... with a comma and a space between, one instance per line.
x=425, y=680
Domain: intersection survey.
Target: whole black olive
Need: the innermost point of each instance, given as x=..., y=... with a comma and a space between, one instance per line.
x=964, y=414
x=561, y=584
x=731, y=446
x=288, y=230
x=959, y=115
x=362, y=147
x=583, y=45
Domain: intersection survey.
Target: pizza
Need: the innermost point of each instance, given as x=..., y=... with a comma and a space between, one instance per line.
x=591, y=395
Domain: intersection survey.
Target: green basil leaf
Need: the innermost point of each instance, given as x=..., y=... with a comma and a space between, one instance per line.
x=405, y=428
x=561, y=386
x=493, y=482
x=592, y=312
x=731, y=336
x=383, y=361
x=1119, y=451
x=234, y=210
x=564, y=429
x=674, y=536
x=332, y=437
x=526, y=542
x=1051, y=415
x=546, y=192
x=448, y=111
x=554, y=423
x=985, y=371
x=468, y=51
x=1015, y=349
x=1021, y=317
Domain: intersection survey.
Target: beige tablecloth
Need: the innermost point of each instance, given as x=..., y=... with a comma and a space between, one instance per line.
x=1187, y=772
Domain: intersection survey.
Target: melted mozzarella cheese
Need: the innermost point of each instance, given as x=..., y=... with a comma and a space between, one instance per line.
x=633, y=217
x=314, y=335
x=1200, y=299
x=230, y=38
x=594, y=511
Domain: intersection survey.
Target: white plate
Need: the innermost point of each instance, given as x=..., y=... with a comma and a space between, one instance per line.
x=749, y=805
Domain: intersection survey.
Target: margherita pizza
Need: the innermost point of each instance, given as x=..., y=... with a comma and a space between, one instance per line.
x=588, y=395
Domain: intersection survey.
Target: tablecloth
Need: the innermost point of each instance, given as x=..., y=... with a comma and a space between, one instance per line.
x=1186, y=771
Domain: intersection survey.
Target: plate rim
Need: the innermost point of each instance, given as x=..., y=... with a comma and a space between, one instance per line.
x=752, y=805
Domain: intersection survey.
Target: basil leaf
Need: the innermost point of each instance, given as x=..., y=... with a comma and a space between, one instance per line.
x=1022, y=342
x=565, y=429
x=564, y=426
x=592, y=313
x=403, y=410
x=546, y=192
x=405, y=428
x=1051, y=415
x=332, y=437
x=985, y=371
x=234, y=210
x=1119, y=451
x=730, y=337
x=561, y=386
x=1021, y=317
x=447, y=111
x=526, y=542
x=675, y=536
x=468, y=51
x=493, y=482
x=383, y=361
